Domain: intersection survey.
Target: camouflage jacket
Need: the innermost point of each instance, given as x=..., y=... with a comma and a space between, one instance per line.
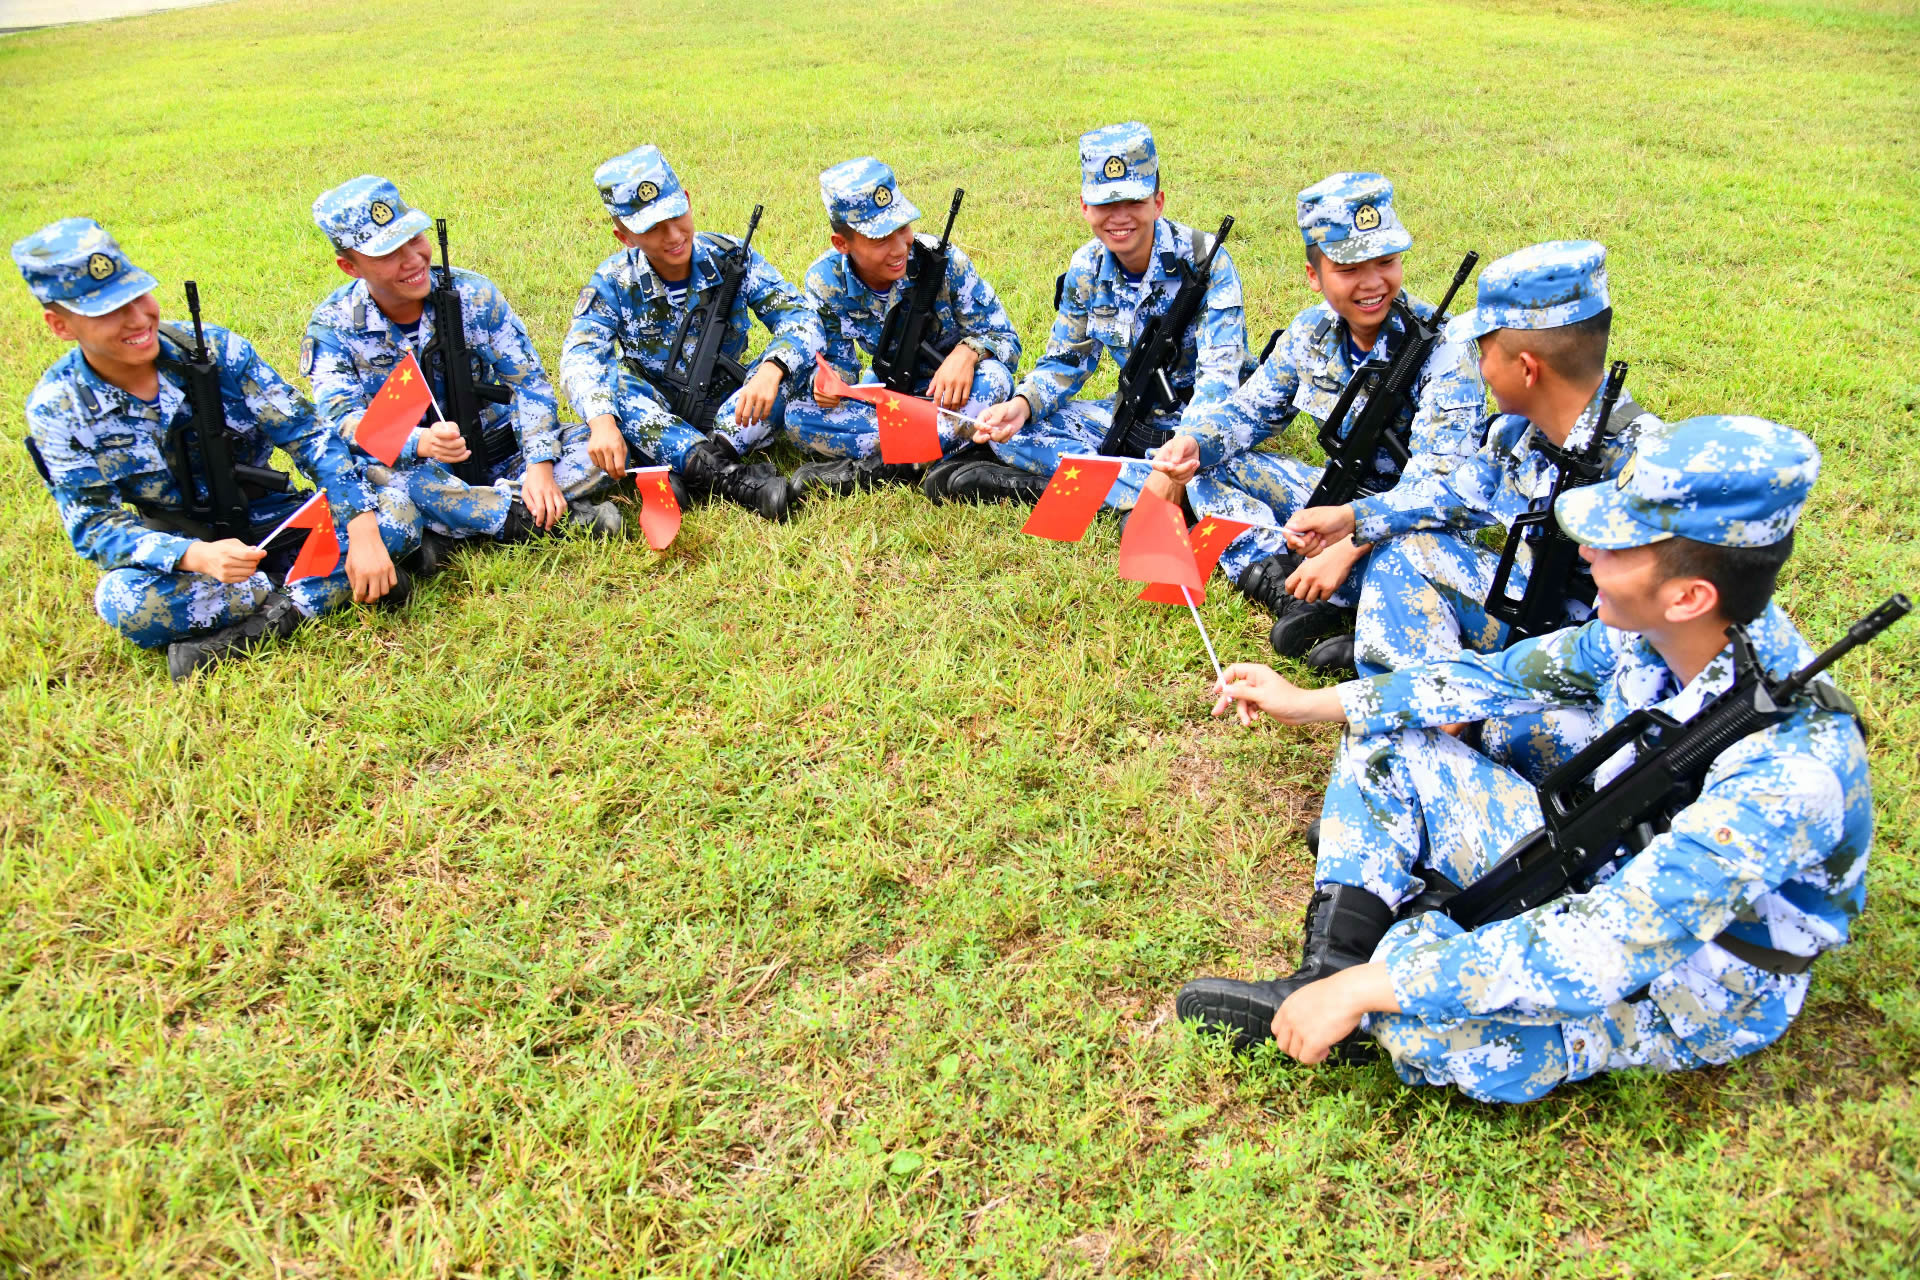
x=852, y=315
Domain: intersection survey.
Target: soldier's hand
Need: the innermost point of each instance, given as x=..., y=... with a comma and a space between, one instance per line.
x=756, y=398
x=826, y=402
x=442, y=442
x=1002, y=422
x=1321, y=575
x=1251, y=689
x=952, y=384
x=1313, y=530
x=1178, y=459
x=369, y=568
x=606, y=446
x=1322, y=1014
x=229, y=560
x=542, y=496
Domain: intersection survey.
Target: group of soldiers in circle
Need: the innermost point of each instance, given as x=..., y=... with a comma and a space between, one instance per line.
x=1690, y=946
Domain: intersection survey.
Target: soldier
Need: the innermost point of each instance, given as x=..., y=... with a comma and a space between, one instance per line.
x=1694, y=950
x=854, y=288
x=1114, y=285
x=1541, y=325
x=1354, y=242
x=366, y=326
x=623, y=332
x=103, y=424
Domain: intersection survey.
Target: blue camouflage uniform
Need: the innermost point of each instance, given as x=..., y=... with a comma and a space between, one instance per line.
x=625, y=321
x=105, y=450
x=1100, y=309
x=351, y=347
x=1772, y=854
x=1350, y=218
x=862, y=194
x=1428, y=576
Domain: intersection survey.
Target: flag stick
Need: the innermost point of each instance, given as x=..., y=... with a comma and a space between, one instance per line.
x=1204, y=637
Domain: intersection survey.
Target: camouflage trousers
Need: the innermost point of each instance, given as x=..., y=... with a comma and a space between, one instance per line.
x=1423, y=600
x=853, y=431
x=573, y=470
x=656, y=436
x=1274, y=487
x=1421, y=798
x=153, y=608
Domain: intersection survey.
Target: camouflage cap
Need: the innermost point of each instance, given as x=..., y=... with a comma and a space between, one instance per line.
x=75, y=263
x=863, y=194
x=1543, y=286
x=367, y=216
x=640, y=188
x=1118, y=162
x=1349, y=217
x=1730, y=481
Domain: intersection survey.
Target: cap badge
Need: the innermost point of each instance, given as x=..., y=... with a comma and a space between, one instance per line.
x=381, y=212
x=1114, y=169
x=882, y=196
x=1626, y=472
x=1366, y=218
x=648, y=192
x=99, y=266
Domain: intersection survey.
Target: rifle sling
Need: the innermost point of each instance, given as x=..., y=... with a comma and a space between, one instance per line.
x=1771, y=959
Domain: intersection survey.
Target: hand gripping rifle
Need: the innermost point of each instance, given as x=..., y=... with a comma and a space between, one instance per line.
x=696, y=386
x=911, y=345
x=461, y=392
x=1146, y=386
x=1585, y=829
x=1388, y=384
x=1556, y=576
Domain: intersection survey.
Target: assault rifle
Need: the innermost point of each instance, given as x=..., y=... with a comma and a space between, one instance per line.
x=1351, y=450
x=911, y=345
x=461, y=392
x=696, y=386
x=1146, y=386
x=1556, y=576
x=1585, y=828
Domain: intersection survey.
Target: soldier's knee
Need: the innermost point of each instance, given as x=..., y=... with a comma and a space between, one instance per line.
x=399, y=518
x=131, y=602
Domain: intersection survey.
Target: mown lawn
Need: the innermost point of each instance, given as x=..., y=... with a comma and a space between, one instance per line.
x=810, y=900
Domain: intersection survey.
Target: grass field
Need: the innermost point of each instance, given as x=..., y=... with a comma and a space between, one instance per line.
x=809, y=900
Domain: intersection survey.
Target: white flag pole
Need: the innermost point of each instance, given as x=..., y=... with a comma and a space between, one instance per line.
x=1204, y=637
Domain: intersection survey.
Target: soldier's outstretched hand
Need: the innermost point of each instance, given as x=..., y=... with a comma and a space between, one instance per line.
x=1178, y=459
x=1002, y=422
x=1251, y=689
x=229, y=560
x=1311, y=531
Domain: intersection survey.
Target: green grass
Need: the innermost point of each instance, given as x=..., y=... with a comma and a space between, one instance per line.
x=809, y=900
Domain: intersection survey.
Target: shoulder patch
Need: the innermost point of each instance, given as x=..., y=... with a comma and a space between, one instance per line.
x=585, y=301
x=306, y=356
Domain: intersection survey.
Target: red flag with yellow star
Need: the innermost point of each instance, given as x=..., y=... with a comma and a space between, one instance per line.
x=659, y=509
x=320, y=549
x=1154, y=545
x=909, y=425
x=395, y=411
x=1073, y=497
x=1210, y=537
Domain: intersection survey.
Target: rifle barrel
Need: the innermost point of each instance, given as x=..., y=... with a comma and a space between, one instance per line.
x=953, y=211
x=1896, y=607
x=1467, y=265
x=446, y=263
x=1219, y=238
x=753, y=224
x=199, y=333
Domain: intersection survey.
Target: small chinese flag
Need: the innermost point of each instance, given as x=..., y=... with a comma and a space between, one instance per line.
x=1154, y=545
x=659, y=510
x=1073, y=497
x=320, y=552
x=909, y=425
x=395, y=411
x=1210, y=537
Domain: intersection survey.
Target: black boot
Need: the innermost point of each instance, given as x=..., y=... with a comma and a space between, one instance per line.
x=1344, y=925
x=599, y=519
x=1313, y=838
x=396, y=600
x=276, y=620
x=713, y=469
x=993, y=482
x=1297, y=629
x=520, y=526
x=1265, y=582
x=934, y=483
x=842, y=477
x=433, y=554
x=1334, y=655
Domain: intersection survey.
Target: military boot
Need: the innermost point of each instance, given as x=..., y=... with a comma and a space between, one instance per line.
x=1344, y=925
x=1334, y=655
x=993, y=482
x=433, y=554
x=275, y=620
x=1265, y=582
x=521, y=527
x=843, y=477
x=934, y=483
x=1295, y=631
x=712, y=469
x=599, y=519
x=396, y=599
